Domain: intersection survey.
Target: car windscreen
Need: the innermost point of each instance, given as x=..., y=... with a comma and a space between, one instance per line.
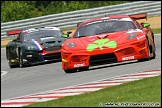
x=43, y=34
x=99, y=27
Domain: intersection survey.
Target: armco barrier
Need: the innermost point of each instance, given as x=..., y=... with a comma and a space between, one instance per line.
x=70, y=19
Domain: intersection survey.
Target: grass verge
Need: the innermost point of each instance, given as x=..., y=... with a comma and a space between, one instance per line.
x=156, y=30
x=3, y=46
x=147, y=90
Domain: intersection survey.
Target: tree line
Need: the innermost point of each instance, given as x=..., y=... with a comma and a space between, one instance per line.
x=18, y=10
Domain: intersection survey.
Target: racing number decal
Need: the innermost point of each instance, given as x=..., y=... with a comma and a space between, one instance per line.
x=100, y=43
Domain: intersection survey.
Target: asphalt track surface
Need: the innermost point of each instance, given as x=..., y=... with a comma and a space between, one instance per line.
x=18, y=82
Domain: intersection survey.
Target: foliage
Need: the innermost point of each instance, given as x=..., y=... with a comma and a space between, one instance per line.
x=18, y=10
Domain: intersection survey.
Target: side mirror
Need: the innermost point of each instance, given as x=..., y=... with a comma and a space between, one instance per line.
x=145, y=25
x=64, y=35
x=14, y=39
x=69, y=32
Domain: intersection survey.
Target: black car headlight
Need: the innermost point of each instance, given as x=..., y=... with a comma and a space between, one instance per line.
x=31, y=48
x=132, y=35
x=71, y=45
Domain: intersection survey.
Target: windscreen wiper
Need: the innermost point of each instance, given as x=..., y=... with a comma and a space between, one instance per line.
x=80, y=36
x=105, y=32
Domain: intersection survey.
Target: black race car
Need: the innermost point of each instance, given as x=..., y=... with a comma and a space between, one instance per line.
x=34, y=45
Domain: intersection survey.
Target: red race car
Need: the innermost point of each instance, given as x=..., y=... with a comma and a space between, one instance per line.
x=108, y=39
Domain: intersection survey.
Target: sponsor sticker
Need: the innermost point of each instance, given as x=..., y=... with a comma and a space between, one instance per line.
x=79, y=65
x=141, y=37
x=29, y=55
x=134, y=30
x=45, y=38
x=128, y=58
x=14, y=60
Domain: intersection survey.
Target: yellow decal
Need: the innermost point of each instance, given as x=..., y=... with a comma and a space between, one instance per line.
x=64, y=60
x=12, y=60
x=142, y=49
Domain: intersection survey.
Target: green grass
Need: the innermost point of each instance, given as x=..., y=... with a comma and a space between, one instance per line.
x=154, y=16
x=69, y=29
x=3, y=46
x=156, y=30
x=145, y=90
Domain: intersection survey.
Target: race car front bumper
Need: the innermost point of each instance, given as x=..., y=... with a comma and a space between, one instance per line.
x=124, y=52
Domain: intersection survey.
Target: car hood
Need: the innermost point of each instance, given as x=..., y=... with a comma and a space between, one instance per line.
x=118, y=37
x=110, y=40
x=46, y=43
x=107, y=39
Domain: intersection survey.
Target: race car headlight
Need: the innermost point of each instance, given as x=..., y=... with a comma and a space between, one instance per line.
x=71, y=45
x=132, y=35
x=31, y=48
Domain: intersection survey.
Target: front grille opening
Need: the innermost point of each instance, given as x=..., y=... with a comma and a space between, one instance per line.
x=55, y=56
x=75, y=59
x=102, y=59
x=127, y=51
x=50, y=42
x=33, y=59
x=52, y=49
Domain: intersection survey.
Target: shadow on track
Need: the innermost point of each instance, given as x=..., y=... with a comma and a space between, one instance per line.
x=39, y=63
x=100, y=66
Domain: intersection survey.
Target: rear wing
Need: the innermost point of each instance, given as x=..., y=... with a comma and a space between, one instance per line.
x=14, y=32
x=139, y=16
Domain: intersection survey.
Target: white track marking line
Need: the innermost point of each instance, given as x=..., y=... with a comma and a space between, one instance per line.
x=3, y=73
x=13, y=105
x=140, y=77
x=29, y=100
x=52, y=95
x=95, y=84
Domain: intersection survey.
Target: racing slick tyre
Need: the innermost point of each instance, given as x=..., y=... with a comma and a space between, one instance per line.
x=21, y=64
x=154, y=55
x=9, y=63
x=84, y=68
x=149, y=53
x=70, y=70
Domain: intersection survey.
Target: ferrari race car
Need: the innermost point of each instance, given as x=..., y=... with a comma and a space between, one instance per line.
x=108, y=39
x=34, y=45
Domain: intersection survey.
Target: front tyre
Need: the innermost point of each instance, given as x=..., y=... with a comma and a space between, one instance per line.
x=70, y=70
x=149, y=53
x=21, y=63
x=84, y=68
x=10, y=65
x=9, y=60
x=154, y=55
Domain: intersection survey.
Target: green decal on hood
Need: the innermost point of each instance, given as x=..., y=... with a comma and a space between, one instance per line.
x=100, y=43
